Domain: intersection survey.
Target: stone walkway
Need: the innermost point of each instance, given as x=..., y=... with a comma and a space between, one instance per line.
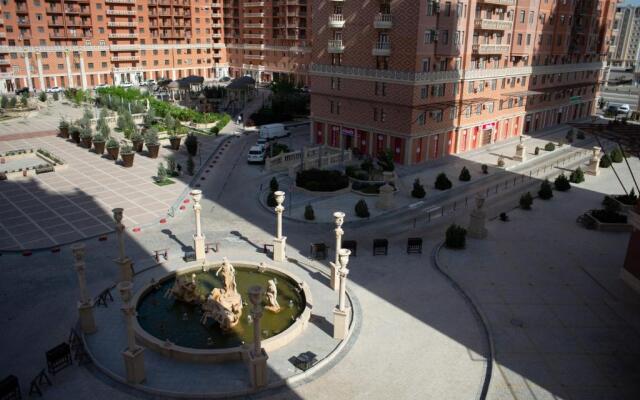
x=45, y=121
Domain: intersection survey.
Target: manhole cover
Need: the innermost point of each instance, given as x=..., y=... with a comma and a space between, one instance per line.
x=517, y=322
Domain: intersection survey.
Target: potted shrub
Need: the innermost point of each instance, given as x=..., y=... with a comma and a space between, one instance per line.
x=455, y=237
x=137, y=141
x=549, y=146
x=152, y=143
x=63, y=127
x=42, y=97
x=525, y=201
x=191, y=143
x=465, y=175
x=113, y=148
x=86, y=136
x=174, y=139
x=485, y=169
x=605, y=161
x=309, y=215
x=74, y=130
x=362, y=209
x=561, y=183
x=536, y=151
x=442, y=182
x=577, y=176
x=162, y=174
x=99, y=142
x=127, y=155
x=545, y=192
x=500, y=162
x=418, y=190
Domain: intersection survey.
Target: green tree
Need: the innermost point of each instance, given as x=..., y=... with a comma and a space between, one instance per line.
x=616, y=155
x=191, y=143
x=42, y=97
x=577, y=176
x=385, y=161
x=362, y=209
x=273, y=184
x=161, y=175
x=545, y=192
x=525, y=201
x=455, y=237
x=24, y=100
x=442, y=182
x=549, y=146
x=4, y=102
x=561, y=183
x=465, y=175
x=418, y=189
x=13, y=102
x=309, y=215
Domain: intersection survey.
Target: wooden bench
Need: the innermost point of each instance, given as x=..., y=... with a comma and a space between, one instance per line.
x=102, y=298
x=40, y=379
x=58, y=358
x=267, y=248
x=319, y=251
x=350, y=245
x=10, y=388
x=380, y=247
x=161, y=252
x=414, y=246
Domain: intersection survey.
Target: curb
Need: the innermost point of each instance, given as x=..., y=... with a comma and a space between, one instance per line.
x=435, y=258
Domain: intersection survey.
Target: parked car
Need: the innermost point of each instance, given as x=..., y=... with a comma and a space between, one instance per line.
x=256, y=154
x=55, y=89
x=100, y=86
x=224, y=79
x=262, y=142
x=618, y=109
x=24, y=90
x=126, y=84
x=273, y=131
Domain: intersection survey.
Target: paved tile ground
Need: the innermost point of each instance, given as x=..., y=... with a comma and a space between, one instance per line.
x=44, y=120
x=564, y=324
x=70, y=204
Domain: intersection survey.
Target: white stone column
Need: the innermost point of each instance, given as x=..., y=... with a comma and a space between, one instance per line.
x=198, y=238
x=67, y=60
x=133, y=355
x=258, y=372
x=341, y=313
x=83, y=73
x=593, y=168
x=85, y=305
x=123, y=262
x=521, y=154
x=338, y=217
x=40, y=73
x=279, y=242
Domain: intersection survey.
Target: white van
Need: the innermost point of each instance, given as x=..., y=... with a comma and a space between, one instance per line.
x=272, y=131
x=256, y=154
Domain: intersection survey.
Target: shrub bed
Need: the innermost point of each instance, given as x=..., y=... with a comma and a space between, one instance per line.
x=318, y=180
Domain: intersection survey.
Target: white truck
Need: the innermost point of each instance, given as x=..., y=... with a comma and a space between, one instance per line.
x=273, y=131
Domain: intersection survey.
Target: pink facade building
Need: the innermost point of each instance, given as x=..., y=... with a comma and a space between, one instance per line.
x=425, y=79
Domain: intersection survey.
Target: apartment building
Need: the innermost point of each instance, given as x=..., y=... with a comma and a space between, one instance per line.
x=425, y=79
x=625, y=37
x=268, y=39
x=83, y=43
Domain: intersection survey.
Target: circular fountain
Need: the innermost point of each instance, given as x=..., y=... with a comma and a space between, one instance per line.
x=196, y=314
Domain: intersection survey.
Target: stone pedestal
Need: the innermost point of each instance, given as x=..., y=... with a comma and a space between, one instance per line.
x=258, y=372
x=126, y=269
x=477, y=228
x=134, y=365
x=385, y=200
x=198, y=247
x=341, y=323
x=87, y=322
x=520, y=153
x=279, y=246
x=593, y=168
x=335, y=276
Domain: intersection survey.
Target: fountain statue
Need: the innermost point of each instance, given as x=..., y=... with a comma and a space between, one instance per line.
x=224, y=305
x=184, y=290
x=272, y=294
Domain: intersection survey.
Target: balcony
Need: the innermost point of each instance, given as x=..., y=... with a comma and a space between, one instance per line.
x=254, y=4
x=253, y=36
x=336, y=21
x=120, y=1
x=382, y=21
x=254, y=57
x=335, y=46
x=493, y=24
x=121, y=12
x=121, y=24
x=254, y=15
x=491, y=48
x=3, y=35
x=3, y=61
x=124, y=58
x=123, y=35
x=253, y=25
x=381, y=49
x=504, y=3
x=24, y=22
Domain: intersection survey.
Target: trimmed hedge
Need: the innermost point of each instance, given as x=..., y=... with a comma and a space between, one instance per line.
x=561, y=183
x=545, y=192
x=442, y=182
x=318, y=180
x=362, y=209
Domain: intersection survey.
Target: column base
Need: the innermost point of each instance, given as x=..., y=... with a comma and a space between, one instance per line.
x=258, y=372
x=279, y=246
x=341, y=323
x=477, y=228
x=87, y=322
x=335, y=277
x=134, y=364
x=593, y=168
x=198, y=247
x=520, y=153
x=126, y=270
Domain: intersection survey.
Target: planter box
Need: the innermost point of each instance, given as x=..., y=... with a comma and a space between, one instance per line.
x=153, y=150
x=624, y=208
x=127, y=159
x=175, y=142
x=137, y=145
x=86, y=142
x=113, y=152
x=99, y=147
x=611, y=227
x=64, y=133
x=76, y=137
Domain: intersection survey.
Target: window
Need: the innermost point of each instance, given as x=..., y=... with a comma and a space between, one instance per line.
x=519, y=39
x=421, y=118
x=424, y=92
x=383, y=115
x=453, y=112
x=380, y=89
x=445, y=37
x=528, y=39
x=522, y=14
x=531, y=17
x=375, y=113
x=436, y=115
x=494, y=84
x=90, y=65
x=331, y=106
x=489, y=107
x=447, y=8
x=471, y=87
x=430, y=7
x=338, y=107
x=479, y=109
x=425, y=65
x=335, y=83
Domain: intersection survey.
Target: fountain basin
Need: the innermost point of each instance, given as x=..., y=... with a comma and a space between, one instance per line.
x=173, y=328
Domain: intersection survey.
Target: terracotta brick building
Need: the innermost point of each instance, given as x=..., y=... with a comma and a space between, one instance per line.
x=425, y=78
x=84, y=43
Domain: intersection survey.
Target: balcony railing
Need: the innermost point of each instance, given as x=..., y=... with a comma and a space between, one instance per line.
x=490, y=48
x=120, y=1
x=122, y=24
x=493, y=24
x=254, y=4
x=336, y=21
x=254, y=15
x=382, y=21
x=254, y=25
x=381, y=49
x=335, y=46
x=124, y=58
x=253, y=35
x=499, y=2
x=121, y=12
x=123, y=35
x=254, y=57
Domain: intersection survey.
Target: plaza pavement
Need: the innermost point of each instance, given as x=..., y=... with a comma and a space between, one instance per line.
x=43, y=121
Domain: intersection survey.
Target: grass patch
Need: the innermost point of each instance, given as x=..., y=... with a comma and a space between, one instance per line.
x=165, y=182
